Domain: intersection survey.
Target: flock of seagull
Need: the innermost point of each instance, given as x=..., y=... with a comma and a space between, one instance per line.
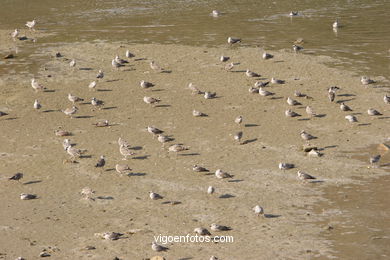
x=126, y=151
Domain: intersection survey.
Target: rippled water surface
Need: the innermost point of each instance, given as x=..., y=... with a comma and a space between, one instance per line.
x=362, y=43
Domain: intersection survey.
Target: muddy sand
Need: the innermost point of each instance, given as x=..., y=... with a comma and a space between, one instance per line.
x=64, y=224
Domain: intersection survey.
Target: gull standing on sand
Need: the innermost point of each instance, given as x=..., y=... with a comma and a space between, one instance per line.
x=373, y=112
x=209, y=95
x=101, y=162
x=16, y=177
x=292, y=102
x=386, y=99
x=267, y=56
x=36, y=86
x=115, y=64
x=145, y=84
x=197, y=168
x=251, y=74
x=119, y=60
x=293, y=13
x=154, y=130
x=74, y=99
x=232, y=40
x=74, y=152
x=306, y=136
x=366, y=80
x=66, y=143
x=70, y=111
x=229, y=66
x=374, y=159
x=15, y=34
x=258, y=210
x=158, y=248
x=336, y=24
x=96, y=102
x=102, y=123
x=299, y=94
x=202, y=231
x=221, y=174
x=331, y=95
x=210, y=190
x=277, y=81
x=216, y=227
x=197, y=113
x=351, y=118
x=290, y=113
x=238, y=136
x=129, y=54
x=122, y=168
x=194, y=89
x=238, y=120
x=285, y=166
x=125, y=151
x=37, y=105
x=155, y=196
x=72, y=63
x=154, y=66
x=31, y=24
x=344, y=107
x=123, y=142
x=224, y=58
x=177, y=148
x=163, y=139
x=215, y=13
x=100, y=74
x=304, y=176
x=265, y=93
x=309, y=111
x=26, y=196
x=151, y=100
x=92, y=85
x=297, y=48
x=259, y=84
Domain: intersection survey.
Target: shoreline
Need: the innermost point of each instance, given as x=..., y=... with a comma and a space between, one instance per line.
x=278, y=192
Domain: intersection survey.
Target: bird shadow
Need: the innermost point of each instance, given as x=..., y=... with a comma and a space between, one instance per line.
x=186, y=258
x=249, y=141
x=189, y=154
x=110, y=170
x=86, y=69
x=11, y=118
x=226, y=196
x=86, y=156
x=105, y=197
x=344, y=100
x=166, y=71
x=235, y=180
x=346, y=95
x=320, y=115
x=251, y=125
x=108, y=108
x=136, y=174
x=316, y=181
x=303, y=119
x=172, y=202
x=240, y=71
x=384, y=117
x=364, y=124
x=49, y=111
x=83, y=116
x=112, y=80
x=355, y=114
x=329, y=146
x=162, y=106
x=271, y=216
x=157, y=90
x=49, y=90
x=103, y=90
x=144, y=157
x=275, y=98
x=140, y=59
x=129, y=69
x=32, y=182
x=136, y=148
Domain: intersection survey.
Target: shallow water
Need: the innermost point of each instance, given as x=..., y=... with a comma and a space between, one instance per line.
x=362, y=43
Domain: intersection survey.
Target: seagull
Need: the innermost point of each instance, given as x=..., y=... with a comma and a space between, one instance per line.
x=259, y=84
x=210, y=190
x=304, y=176
x=70, y=111
x=373, y=112
x=73, y=98
x=74, y=152
x=177, y=148
x=297, y=48
x=310, y=111
x=111, y=235
x=251, y=74
x=37, y=105
x=158, y=248
x=3, y=113
x=238, y=120
x=31, y=24
x=238, y=137
x=100, y=74
x=163, y=139
x=386, y=99
x=214, y=258
x=224, y=58
x=129, y=54
x=115, y=64
x=123, y=142
x=101, y=162
x=66, y=143
x=299, y=94
x=155, y=196
x=60, y=132
x=221, y=174
x=122, y=168
x=16, y=177
x=293, y=13
x=277, y=81
x=125, y=151
x=253, y=90
x=36, y=86
x=231, y=40
x=366, y=80
x=229, y=66
x=216, y=227
x=351, y=118
x=194, y=89
x=103, y=123
x=292, y=102
x=210, y=95
x=290, y=113
x=154, y=130
x=344, y=107
x=72, y=63
x=331, y=96
x=215, y=13
x=151, y=100
x=306, y=136
x=197, y=113
x=15, y=33
x=154, y=66
x=96, y=102
x=202, y=231
x=92, y=85
x=197, y=168
x=267, y=56
x=374, y=159
x=265, y=93
x=119, y=60
x=258, y=210
x=26, y=196
x=145, y=84
x=336, y=24
x=285, y=166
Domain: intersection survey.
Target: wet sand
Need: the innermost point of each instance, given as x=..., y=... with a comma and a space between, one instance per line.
x=64, y=224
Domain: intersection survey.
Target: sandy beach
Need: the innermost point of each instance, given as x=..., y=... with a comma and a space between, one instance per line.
x=64, y=224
